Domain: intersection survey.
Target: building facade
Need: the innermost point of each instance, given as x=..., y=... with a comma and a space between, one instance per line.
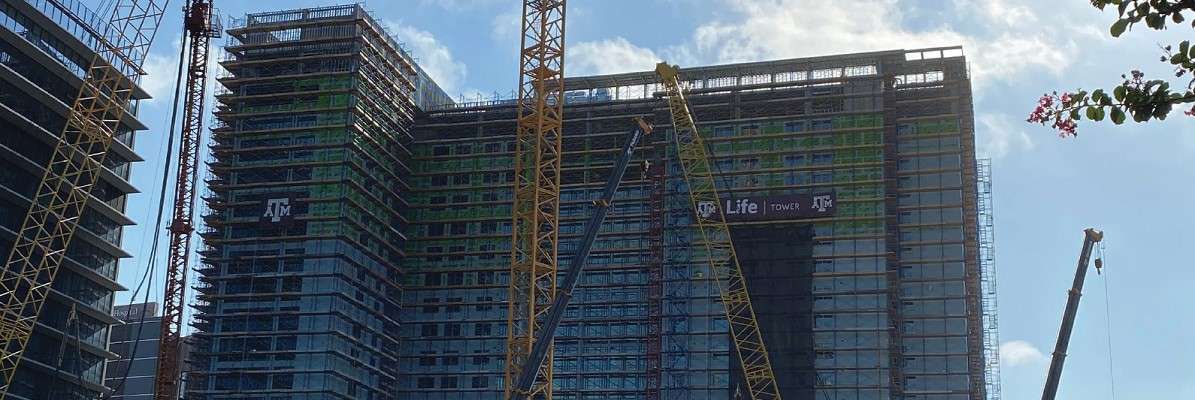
x=135, y=341
x=45, y=47
x=299, y=293
x=881, y=298
x=358, y=239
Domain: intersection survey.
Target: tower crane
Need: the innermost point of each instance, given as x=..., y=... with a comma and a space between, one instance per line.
x=1090, y=238
x=535, y=222
x=74, y=168
x=199, y=28
x=543, y=338
x=715, y=233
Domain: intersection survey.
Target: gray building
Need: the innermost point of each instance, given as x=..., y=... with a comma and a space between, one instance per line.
x=43, y=54
x=135, y=341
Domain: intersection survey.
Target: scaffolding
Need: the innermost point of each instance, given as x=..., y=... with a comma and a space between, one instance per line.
x=988, y=279
x=314, y=118
x=655, y=185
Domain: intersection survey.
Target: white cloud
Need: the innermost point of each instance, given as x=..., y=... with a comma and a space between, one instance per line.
x=433, y=56
x=610, y=56
x=159, y=81
x=1019, y=352
x=161, y=70
x=505, y=26
x=999, y=11
x=755, y=30
x=768, y=29
x=1010, y=54
x=1000, y=134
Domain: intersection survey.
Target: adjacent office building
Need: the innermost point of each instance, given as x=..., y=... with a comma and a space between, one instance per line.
x=45, y=47
x=135, y=341
x=358, y=241
x=299, y=293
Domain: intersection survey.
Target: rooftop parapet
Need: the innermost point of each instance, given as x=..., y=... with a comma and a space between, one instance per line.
x=811, y=70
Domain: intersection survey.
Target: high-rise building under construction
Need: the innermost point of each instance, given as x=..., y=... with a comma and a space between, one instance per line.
x=46, y=48
x=877, y=293
x=358, y=240
x=303, y=247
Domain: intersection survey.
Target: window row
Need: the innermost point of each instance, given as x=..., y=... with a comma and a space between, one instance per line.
x=925, y=181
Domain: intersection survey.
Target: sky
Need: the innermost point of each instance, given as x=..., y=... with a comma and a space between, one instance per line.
x=1132, y=181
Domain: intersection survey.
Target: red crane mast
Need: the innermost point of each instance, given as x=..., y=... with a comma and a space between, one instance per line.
x=200, y=28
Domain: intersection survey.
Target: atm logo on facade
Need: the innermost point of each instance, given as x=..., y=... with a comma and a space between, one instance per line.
x=823, y=202
x=770, y=208
x=277, y=210
x=706, y=209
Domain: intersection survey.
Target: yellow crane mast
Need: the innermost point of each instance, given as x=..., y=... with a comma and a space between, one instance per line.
x=695, y=162
x=534, y=228
x=74, y=167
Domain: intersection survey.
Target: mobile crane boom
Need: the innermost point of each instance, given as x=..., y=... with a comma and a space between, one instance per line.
x=695, y=162
x=1090, y=238
x=564, y=292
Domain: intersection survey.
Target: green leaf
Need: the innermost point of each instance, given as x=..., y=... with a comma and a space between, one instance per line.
x=1099, y=114
x=1075, y=114
x=1119, y=27
x=1092, y=112
x=1177, y=17
x=1120, y=92
x=1156, y=21
x=1117, y=115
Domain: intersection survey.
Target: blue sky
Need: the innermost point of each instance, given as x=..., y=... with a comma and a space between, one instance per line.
x=1132, y=181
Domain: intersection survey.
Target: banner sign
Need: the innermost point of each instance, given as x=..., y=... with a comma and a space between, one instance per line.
x=770, y=208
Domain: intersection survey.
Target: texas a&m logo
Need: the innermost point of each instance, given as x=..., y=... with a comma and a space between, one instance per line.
x=276, y=210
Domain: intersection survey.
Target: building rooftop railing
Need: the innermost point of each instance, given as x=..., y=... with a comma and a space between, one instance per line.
x=428, y=87
x=811, y=70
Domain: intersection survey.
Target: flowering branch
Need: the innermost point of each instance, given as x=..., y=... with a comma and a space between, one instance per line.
x=1143, y=100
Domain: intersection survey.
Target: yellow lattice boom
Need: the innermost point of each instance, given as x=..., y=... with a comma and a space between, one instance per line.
x=724, y=263
x=534, y=229
x=73, y=169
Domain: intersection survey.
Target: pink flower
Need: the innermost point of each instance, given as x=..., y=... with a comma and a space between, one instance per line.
x=1042, y=112
x=1066, y=127
x=1066, y=98
x=1046, y=101
x=1190, y=113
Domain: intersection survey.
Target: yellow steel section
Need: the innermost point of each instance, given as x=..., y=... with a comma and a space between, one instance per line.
x=537, y=189
x=73, y=170
x=724, y=263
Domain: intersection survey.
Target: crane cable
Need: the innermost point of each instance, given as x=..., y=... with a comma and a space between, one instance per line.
x=1099, y=263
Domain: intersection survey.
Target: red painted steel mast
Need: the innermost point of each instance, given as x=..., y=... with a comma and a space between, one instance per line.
x=200, y=29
